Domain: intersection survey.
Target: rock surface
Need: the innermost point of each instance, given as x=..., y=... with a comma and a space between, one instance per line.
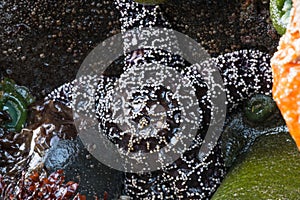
x=43, y=39
x=270, y=170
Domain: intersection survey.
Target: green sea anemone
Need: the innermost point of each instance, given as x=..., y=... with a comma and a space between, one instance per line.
x=14, y=100
x=280, y=14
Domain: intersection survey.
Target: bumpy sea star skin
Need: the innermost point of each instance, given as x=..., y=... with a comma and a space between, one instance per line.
x=244, y=73
x=134, y=15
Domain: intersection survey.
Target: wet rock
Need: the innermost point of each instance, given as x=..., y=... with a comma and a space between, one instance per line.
x=63, y=153
x=36, y=37
x=79, y=165
x=240, y=132
x=269, y=171
x=224, y=26
x=57, y=147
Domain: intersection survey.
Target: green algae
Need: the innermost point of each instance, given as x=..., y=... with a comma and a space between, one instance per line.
x=270, y=170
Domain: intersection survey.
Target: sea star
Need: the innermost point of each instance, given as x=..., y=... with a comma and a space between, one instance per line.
x=244, y=73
